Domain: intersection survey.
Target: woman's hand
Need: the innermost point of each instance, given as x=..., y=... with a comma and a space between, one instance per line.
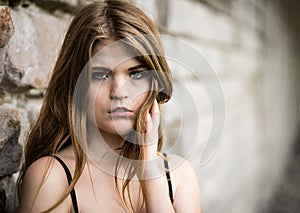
x=155, y=187
x=151, y=136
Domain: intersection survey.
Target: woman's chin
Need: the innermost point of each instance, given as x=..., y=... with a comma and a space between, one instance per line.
x=122, y=127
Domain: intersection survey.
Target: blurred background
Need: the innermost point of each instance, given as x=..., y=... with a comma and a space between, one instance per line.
x=253, y=47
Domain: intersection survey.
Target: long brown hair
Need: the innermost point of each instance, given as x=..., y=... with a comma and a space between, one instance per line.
x=55, y=127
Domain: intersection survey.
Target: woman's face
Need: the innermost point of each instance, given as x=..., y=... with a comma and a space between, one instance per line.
x=119, y=87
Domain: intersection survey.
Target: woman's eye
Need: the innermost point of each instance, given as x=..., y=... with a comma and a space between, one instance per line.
x=100, y=75
x=137, y=74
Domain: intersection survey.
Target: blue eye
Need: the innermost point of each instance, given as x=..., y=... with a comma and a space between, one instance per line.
x=100, y=75
x=137, y=74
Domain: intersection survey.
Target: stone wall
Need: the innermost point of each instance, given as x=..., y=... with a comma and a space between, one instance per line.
x=30, y=39
x=250, y=44
x=253, y=47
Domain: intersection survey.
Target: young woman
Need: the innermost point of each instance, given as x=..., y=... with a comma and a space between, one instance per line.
x=95, y=146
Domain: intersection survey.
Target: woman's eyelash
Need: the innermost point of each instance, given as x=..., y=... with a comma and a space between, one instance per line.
x=100, y=75
x=139, y=74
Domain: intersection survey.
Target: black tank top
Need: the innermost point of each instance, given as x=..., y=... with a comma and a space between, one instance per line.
x=73, y=194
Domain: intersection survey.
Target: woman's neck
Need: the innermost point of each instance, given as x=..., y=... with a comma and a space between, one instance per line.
x=101, y=143
x=112, y=140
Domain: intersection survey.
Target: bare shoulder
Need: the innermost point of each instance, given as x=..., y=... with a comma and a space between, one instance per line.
x=185, y=184
x=43, y=185
x=179, y=166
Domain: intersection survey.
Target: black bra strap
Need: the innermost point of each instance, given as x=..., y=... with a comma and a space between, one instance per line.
x=69, y=177
x=73, y=194
x=168, y=178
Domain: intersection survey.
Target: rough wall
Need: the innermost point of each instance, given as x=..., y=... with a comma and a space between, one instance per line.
x=30, y=40
x=247, y=43
x=252, y=47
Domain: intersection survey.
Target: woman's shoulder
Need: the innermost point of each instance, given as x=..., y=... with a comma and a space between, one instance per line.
x=185, y=184
x=43, y=184
x=44, y=167
x=43, y=174
x=179, y=164
x=48, y=165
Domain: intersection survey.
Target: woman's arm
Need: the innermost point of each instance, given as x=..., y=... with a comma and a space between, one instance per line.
x=43, y=187
x=156, y=192
x=187, y=195
x=185, y=187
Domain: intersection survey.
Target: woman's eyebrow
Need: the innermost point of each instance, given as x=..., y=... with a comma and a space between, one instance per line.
x=101, y=68
x=137, y=67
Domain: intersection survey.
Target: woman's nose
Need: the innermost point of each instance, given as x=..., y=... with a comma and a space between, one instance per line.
x=119, y=88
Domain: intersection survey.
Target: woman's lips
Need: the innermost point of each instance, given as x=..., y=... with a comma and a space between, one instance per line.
x=121, y=112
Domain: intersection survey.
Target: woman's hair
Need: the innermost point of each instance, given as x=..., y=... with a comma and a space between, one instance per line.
x=55, y=127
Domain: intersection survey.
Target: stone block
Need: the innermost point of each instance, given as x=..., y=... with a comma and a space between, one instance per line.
x=52, y=6
x=64, y=2
x=2, y=200
x=250, y=13
x=157, y=10
x=10, y=149
x=32, y=50
x=205, y=24
x=249, y=38
x=31, y=108
x=149, y=7
x=6, y=25
x=221, y=5
x=211, y=53
x=8, y=187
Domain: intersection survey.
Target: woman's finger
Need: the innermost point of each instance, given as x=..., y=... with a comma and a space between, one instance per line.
x=152, y=120
x=149, y=123
x=155, y=115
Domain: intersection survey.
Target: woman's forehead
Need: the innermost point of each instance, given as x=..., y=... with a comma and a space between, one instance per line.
x=111, y=54
x=110, y=46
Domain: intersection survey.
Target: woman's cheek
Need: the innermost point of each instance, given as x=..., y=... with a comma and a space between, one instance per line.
x=139, y=100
